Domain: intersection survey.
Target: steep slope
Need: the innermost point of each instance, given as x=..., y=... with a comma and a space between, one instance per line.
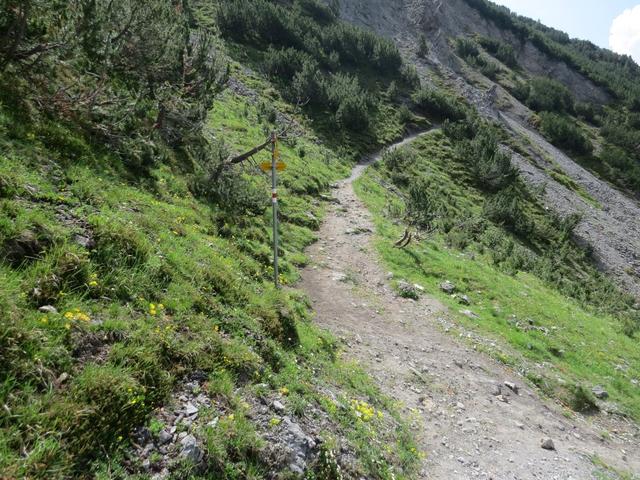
x=140, y=331
x=604, y=225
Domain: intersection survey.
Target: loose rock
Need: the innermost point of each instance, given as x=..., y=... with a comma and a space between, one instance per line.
x=513, y=387
x=448, y=287
x=190, y=449
x=600, y=393
x=164, y=437
x=548, y=444
x=48, y=309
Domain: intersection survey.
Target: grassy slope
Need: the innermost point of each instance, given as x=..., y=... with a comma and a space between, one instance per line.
x=583, y=348
x=172, y=285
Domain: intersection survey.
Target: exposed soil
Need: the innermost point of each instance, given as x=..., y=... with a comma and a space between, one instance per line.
x=470, y=424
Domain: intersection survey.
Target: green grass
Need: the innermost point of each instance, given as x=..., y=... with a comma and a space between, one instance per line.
x=605, y=472
x=171, y=284
x=580, y=347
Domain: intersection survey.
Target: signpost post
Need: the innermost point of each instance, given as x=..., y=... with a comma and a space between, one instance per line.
x=274, y=201
x=274, y=166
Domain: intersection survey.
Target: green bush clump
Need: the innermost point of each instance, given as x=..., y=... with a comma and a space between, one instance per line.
x=307, y=50
x=582, y=400
x=490, y=168
x=501, y=50
x=563, y=132
x=468, y=49
x=113, y=400
x=118, y=244
x=505, y=209
x=546, y=95
x=440, y=104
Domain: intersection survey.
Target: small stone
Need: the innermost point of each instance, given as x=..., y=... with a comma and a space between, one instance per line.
x=278, y=406
x=520, y=425
x=84, y=241
x=143, y=435
x=448, y=287
x=496, y=390
x=600, y=393
x=464, y=300
x=190, y=409
x=164, y=437
x=512, y=386
x=460, y=406
x=48, y=309
x=146, y=465
x=64, y=376
x=190, y=449
x=548, y=445
x=502, y=398
x=339, y=277
x=469, y=313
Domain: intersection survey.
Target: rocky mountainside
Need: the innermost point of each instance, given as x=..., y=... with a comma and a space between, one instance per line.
x=610, y=217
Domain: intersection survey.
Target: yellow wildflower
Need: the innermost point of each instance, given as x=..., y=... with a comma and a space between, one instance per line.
x=284, y=391
x=67, y=326
x=274, y=422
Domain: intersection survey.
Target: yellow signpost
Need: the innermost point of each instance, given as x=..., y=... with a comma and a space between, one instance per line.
x=266, y=166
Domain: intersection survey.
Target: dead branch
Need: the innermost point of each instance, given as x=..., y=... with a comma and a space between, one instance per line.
x=402, y=242
x=269, y=141
x=241, y=158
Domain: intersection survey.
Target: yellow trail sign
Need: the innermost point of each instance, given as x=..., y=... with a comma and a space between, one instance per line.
x=266, y=166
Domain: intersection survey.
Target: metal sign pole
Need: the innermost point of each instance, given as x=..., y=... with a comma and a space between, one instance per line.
x=274, y=202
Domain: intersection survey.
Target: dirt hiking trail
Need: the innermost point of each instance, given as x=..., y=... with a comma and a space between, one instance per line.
x=469, y=423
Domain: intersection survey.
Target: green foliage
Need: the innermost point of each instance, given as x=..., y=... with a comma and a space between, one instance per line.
x=350, y=102
x=582, y=400
x=505, y=209
x=137, y=79
x=500, y=50
x=310, y=27
x=490, y=168
x=616, y=73
x=546, y=94
x=423, y=48
x=306, y=46
x=439, y=104
x=468, y=49
x=563, y=132
x=233, y=447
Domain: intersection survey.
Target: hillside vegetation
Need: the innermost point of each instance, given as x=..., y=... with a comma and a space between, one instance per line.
x=133, y=258
x=563, y=120
x=513, y=262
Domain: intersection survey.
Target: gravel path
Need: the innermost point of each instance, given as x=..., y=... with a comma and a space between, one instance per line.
x=470, y=424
